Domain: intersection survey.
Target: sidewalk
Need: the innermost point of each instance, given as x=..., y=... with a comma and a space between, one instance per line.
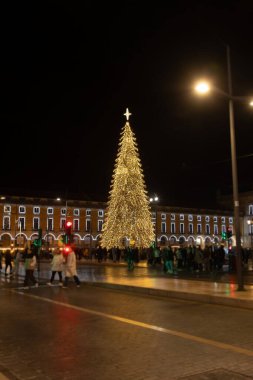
x=220, y=293
x=143, y=280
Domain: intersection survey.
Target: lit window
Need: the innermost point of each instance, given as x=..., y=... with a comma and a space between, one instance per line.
x=76, y=224
x=6, y=223
x=50, y=224
x=62, y=223
x=36, y=223
x=88, y=225
x=100, y=225
x=21, y=223
x=22, y=209
x=7, y=208
x=190, y=218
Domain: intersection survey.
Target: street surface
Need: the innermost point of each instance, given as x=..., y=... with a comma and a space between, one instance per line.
x=96, y=333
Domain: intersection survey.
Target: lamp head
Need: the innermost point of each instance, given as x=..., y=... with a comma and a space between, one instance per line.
x=202, y=87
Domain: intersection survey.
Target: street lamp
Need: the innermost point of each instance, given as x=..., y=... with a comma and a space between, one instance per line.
x=154, y=200
x=204, y=88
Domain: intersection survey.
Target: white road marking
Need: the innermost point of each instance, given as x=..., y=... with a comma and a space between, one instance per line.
x=193, y=338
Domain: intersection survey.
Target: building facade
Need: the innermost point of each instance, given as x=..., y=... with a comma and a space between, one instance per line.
x=22, y=217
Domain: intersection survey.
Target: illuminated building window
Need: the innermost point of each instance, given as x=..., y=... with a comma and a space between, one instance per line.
x=163, y=227
x=215, y=229
x=64, y=211
x=36, y=210
x=100, y=225
x=173, y=228
x=50, y=211
x=62, y=223
x=208, y=229
x=88, y=212
x=207, y=219
x=199, y=218
x=22, y=209
x=190, y=218
x=181, y=217
x=87, y=225
x=76, y=224
x=100, y=213
x=76, y=212
x=172, y=216
x=7, y=208
x=50, y=224
x=163, y=216
x=190, y=228
x=199, y=228
x=6, y=223
x=21, y=223
x=36, y=223
x=181, y=228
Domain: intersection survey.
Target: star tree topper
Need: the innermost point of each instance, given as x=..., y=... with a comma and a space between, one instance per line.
x=127, y=114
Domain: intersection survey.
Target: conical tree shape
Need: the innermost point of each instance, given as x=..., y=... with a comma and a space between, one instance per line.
x=128, y=214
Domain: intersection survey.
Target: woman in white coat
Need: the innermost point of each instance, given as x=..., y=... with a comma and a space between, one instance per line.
x=70, y=268
x=57, y=266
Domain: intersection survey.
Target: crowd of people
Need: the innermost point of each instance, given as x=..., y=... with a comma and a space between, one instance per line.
x=63, y=263
x=172, y=259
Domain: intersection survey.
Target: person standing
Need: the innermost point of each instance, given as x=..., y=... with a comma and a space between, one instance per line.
x=56, y=266
x=70, y=268
x=8, y=262
x=17, y=260
x=30, y=264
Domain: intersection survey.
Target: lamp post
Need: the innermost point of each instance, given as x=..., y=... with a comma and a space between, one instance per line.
x=204, y=88
x=154, y=200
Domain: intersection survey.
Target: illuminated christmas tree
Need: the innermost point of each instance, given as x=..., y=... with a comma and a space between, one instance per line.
x=128, y=215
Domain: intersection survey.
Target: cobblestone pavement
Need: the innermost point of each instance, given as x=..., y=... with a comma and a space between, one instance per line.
x=50, y=333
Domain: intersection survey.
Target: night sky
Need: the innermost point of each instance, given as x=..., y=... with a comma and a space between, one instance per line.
x=68, y=72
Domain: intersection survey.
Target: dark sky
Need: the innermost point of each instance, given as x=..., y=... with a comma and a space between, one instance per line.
x=68, y=72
